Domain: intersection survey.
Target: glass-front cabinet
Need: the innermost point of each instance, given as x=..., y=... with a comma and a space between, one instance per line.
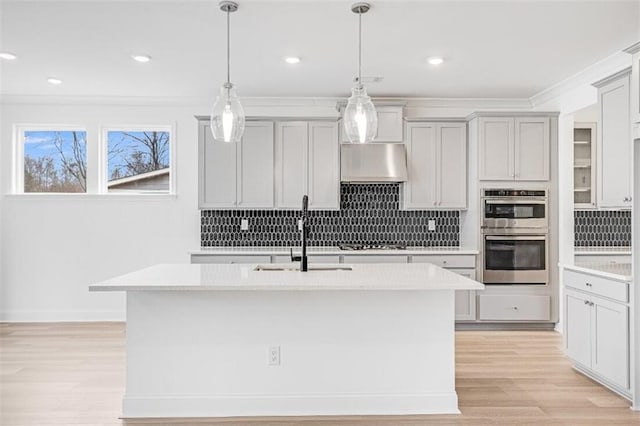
x=584, y=167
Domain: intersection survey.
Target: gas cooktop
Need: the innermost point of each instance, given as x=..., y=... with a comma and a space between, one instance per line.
x=358, y=246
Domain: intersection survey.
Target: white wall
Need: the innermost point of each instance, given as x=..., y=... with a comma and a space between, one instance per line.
x=53, y=247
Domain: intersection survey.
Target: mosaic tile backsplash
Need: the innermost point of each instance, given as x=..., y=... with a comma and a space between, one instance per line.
x=369, y=214
x=597, y=228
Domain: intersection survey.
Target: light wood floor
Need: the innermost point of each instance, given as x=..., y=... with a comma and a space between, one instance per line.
x=73, y=374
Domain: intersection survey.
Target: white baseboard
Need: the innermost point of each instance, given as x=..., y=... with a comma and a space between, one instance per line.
x=62, y=316
x=288, y=405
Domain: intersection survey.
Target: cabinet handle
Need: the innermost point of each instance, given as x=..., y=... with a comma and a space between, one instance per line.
x=590, y=303
x=444, y=262
x=586, y=302
x=589, y=285
x=515, y=308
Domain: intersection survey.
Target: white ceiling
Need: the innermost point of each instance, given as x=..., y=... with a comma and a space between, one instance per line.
x=496, y=49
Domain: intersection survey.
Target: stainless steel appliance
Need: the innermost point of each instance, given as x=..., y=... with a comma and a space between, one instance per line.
x=515, y=237
x=373, y=162
x=513, y=209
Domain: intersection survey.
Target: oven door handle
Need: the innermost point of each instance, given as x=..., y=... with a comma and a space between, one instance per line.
x=515, y=237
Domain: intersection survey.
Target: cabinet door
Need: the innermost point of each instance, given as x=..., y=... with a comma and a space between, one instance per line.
x=255, y=166
x=420, y=189
x=611, y=341
x=452, y=165
x=324, y=166
x=635, y=88
x=217, y=170
x=389, y=124
x=578, y=328
x=496, y=148
x=531, y=148
x=291, y=164
x=614, y=147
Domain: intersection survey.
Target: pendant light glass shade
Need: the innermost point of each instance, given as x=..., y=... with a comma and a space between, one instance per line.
x=360, y=117
x=227, y=116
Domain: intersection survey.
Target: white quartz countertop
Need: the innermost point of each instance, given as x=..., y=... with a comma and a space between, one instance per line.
x=612, y=270
x=267, y=251
x=605, y=251
x=216, y=277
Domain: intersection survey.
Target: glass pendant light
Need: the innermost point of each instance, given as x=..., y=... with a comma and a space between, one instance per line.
x=360, y=117
x=227, y=115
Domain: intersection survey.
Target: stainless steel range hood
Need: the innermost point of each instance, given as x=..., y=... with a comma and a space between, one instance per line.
x=373, y=162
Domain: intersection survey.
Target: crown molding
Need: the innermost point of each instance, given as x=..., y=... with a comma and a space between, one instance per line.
x=8, y=99
x=512, y=114
x=611, y=78
x=602, y=69
x=634, y=48
x=280, y=102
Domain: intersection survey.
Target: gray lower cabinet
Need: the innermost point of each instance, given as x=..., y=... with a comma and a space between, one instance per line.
x=597, y=331
x=463, y=265
x=514, y=307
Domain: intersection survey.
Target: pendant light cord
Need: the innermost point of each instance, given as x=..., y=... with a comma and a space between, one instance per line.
x=360, y=48
x=228, y=48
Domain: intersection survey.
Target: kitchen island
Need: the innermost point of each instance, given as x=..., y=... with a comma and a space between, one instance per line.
x=229, y=340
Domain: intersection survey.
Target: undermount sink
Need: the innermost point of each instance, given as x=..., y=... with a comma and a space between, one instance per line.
x=296, y=268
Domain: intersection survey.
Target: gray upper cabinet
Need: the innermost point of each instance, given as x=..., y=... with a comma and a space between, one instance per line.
x=514, y=148
x=635, y=82
x=236, y=175
x=437, y=166
x=307, y=162
x=291, y=163
x=614, y=148
x=390, y=124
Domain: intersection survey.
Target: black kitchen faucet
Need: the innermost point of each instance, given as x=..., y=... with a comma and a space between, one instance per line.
x=304, y=221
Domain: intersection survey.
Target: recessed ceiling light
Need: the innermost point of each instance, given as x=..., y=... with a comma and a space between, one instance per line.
x=292, y=60
x=141, y=58
x=55, y=81
x=7, y=55
x=436, y=60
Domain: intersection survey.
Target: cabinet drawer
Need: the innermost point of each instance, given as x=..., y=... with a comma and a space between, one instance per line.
x=208, y=258
x=514, y=308
x=612, y=289
x=312, y=258
x=447, y=261
x=374, y=258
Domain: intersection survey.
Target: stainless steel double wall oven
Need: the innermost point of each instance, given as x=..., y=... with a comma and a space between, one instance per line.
x=515, y=228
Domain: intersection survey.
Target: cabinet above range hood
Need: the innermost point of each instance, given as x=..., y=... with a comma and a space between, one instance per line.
x=373, y=162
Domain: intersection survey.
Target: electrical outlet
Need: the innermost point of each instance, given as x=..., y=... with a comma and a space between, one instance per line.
x=244, y=225
x=274, y=355
x=431, y=225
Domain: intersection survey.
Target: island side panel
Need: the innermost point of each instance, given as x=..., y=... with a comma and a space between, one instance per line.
x=206, y=353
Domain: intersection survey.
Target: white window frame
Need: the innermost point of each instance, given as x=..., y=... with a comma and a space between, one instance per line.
x=103, y=158
x=18, y=154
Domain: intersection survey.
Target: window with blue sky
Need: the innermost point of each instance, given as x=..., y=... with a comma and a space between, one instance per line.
x=55, y=161
x=138, y=160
